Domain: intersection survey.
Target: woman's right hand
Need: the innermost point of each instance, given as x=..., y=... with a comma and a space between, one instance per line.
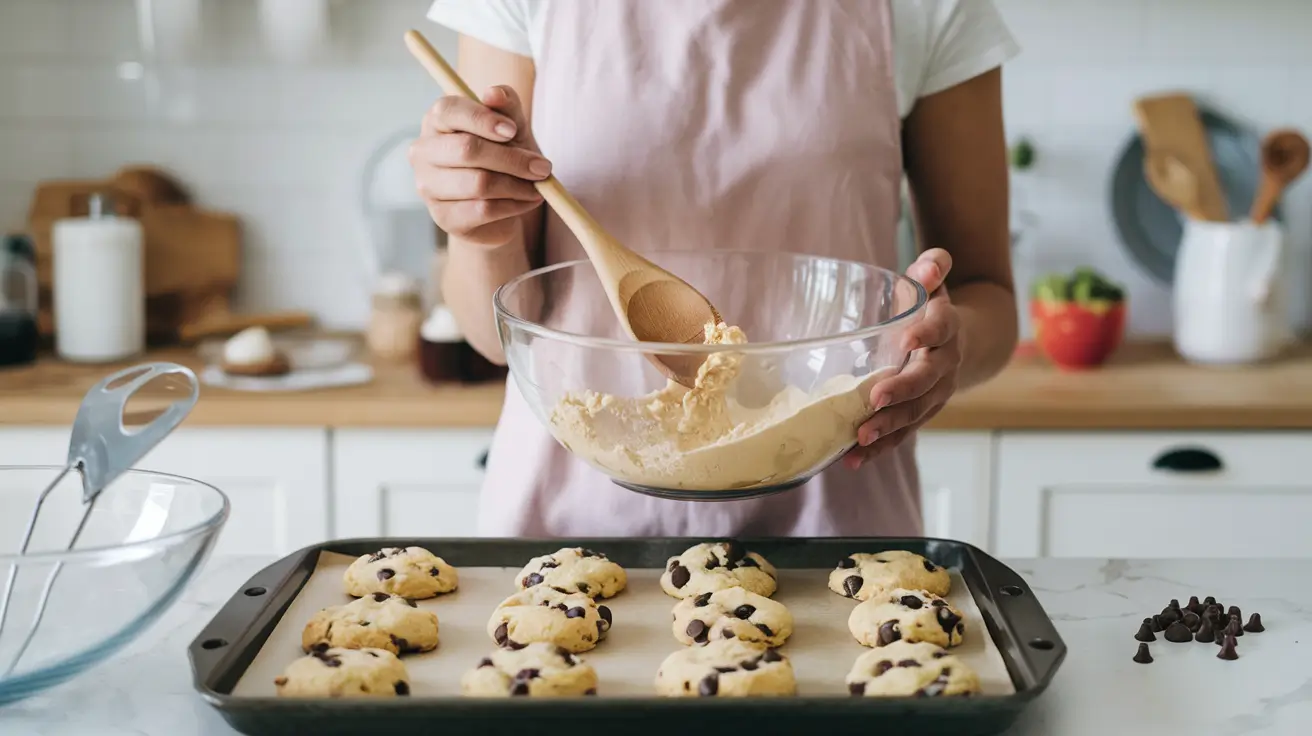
x=475, y=165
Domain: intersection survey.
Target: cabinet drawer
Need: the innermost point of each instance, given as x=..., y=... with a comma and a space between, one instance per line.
x=1154, y=494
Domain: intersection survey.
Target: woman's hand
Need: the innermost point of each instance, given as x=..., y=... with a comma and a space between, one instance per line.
x=475, y=165
x=906, y=401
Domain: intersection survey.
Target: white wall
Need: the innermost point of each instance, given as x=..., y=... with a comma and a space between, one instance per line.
x=282, y=144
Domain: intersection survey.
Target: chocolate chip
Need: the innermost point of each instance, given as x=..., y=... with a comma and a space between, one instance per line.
x=696, y=631
x=583, y=587
x=889, y=633
x=771, y=656
x=1178, y=632
x=601, y=627
x=386, y=573
x=372, y=654
x=726, y=634
x=679, y=575
x=961, y=628
x=1234, y=612
x=747, y=562
x=1254, y=624
x=604, y=612
x=401, y=687
x=852, y=585
x=948, y=619
x=1192, y=620
x=1157, y=624
x=1205, y=634
x=939, y=655
x=380, y=554
x=1212, y=611
x=709, y=686
x=331, y=661
x=856, y=688
x=910, y=601
x=908, y=663
x=1220, y=635
x=733, y=551
x=320, y=647
x=1194, y=605
x=1235, y=627
x=411, y=603
x=744, y=611
x=847, y=563
x=434, y=572
x=712, y=563
x=380, y=597
x=548, y=565
x=930, y=567
x=575, y=612
x=527, y=674
x=585, y=552
x=531, y=579
x=935, y=688
x=702, y=600
x=747, y=664
x=1209, y=600
x=882, y=666
x=938, y=603
x=398, y=642
x=1174, y=605
x=1143, y=656
x=514, y=645
x=519, y=688
x=723, y=670
x=1145, y=632
x=674, y=562
x=1228, y=651
x=765, y=629
x=590, y=691
x=500, y=635
x=1169, y=616
x=564, y=654
x=559, y=606
x=486, y=662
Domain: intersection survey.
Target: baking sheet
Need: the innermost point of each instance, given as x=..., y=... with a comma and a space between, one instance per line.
x=821, y=648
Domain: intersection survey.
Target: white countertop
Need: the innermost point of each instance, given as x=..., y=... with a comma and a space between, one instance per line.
x=1097, y=605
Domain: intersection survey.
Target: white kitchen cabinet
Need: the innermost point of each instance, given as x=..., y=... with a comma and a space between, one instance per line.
x=408, y=483
x=275, y=479
x=956, y=476
x=1154, y=494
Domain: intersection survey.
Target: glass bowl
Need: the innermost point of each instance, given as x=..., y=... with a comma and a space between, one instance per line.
x=145, y=539
x=771, y=413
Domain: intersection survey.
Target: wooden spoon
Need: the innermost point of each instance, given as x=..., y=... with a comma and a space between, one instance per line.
x=1284, y=157
x=653, y=304
x=1174, y=183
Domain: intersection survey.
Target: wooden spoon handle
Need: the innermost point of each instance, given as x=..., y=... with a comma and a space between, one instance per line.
x=571, y=212
x=1264, y=203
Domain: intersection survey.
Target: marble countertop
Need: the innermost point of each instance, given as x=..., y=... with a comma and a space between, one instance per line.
x=1097, y=604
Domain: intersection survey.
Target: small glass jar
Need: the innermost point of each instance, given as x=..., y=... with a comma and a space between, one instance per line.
x=18, y=301
x=441, y=347
x=395, y=319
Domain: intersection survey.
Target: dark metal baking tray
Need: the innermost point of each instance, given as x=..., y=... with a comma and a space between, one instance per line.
x=1024, y=635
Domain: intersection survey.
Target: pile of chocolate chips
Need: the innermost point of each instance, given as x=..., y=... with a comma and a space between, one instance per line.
x=1205, y=621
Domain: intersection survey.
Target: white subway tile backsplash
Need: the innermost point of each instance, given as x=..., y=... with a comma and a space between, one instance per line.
x=29, y=153
x=104, y=30
x=34, y=29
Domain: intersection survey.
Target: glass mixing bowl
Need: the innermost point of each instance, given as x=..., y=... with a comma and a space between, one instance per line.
x=145, y=539
x=821, y=332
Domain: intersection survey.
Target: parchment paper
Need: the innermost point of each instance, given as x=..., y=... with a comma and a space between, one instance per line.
x=821, y=648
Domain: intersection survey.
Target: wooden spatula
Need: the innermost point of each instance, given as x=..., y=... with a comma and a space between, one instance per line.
x=1173, y=182
x=1170, y=124
x=653, y=304
x=1284, y=158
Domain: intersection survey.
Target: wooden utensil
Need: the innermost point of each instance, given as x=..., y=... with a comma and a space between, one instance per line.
x=1284, y=158
x=1174, y=183
x=1170, y=124
x=653, y=304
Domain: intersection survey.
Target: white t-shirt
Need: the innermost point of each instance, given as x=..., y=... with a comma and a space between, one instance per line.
x=937, y=44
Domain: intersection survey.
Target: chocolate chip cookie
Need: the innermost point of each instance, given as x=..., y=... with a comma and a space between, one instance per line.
x=712, y=566
x=376, y=621
x=576, y=570
x=726, y=668
x=538, y=670
x=344, y=673
x=732, y=613
x=906, y=668
x=906, y=615
x=550, y=615
x=860, y=576
x=410, y=572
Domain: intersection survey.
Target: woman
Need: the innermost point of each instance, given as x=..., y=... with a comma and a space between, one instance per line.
x=657, y=114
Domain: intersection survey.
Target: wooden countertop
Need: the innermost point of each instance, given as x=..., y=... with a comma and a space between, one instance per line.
x=1144, y=387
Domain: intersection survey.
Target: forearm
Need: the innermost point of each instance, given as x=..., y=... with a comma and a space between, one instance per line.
x=988, y=329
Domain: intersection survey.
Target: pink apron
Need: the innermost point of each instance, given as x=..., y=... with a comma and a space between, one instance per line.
x=781, y=113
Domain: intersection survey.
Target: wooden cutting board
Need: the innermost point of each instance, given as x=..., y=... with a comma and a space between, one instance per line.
x=1170, y=124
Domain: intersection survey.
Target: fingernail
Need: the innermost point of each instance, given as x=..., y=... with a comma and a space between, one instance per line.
x=867, y=436
x=541, y=167
x=505, y=130
x=883, y=402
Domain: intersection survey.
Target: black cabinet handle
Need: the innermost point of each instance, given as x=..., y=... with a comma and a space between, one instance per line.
x=482, y=461
x=1188, y=460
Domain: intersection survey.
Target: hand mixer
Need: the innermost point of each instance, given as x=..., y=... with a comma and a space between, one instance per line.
x=101, y=449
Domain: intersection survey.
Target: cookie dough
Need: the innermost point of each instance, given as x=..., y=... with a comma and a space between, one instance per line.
x=344, y=673
x=860, y=576
x=910, y=668
x=712, y=566
x=410, y=572
x=906, y=615
x=376, y=621
x=550, y=615
x=576, y=570
x=538, y=670
x=732, y=613
x=726, y=668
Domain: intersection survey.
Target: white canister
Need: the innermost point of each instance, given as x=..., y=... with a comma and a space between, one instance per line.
x=99, y=286
x=1230, y=293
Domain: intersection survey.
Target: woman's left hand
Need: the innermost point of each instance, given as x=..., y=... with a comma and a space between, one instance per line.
x=908, y=400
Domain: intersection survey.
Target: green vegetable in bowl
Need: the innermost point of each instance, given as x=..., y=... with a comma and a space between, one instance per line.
x=1083, y=286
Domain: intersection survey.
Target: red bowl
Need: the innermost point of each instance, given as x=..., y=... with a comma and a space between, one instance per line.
x=1076, y=336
